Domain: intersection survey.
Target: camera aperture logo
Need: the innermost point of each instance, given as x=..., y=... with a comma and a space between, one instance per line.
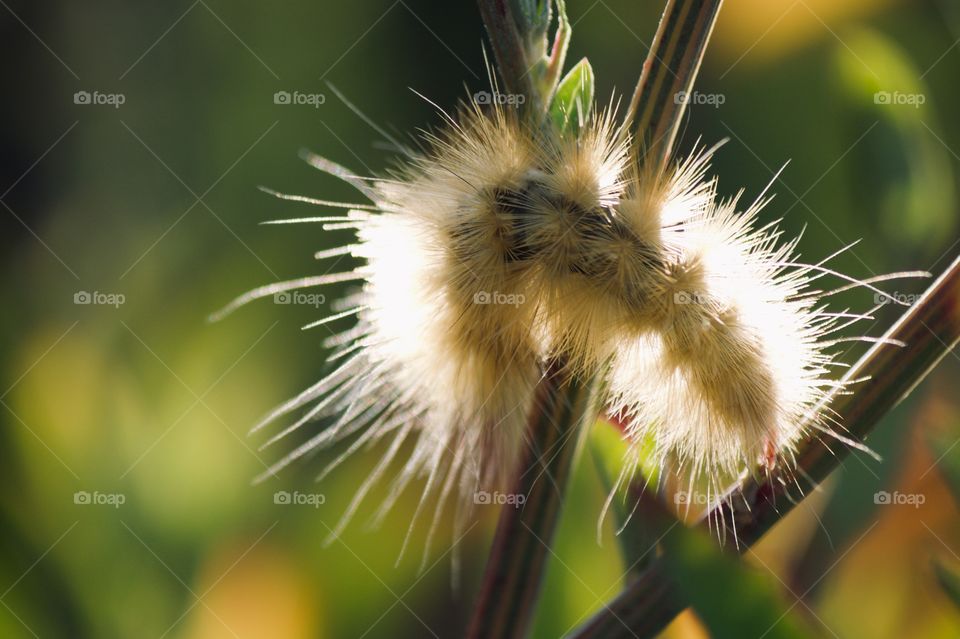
x=96, y=298
x=502, y=99
x=899, y=98
x=683, y=498
x=297, y=98
x=903, y=299
x=896, y=498
x=299, y=298
x=96, y=498
x=96, y=98
x=496, y=297
x=296, y=498
x=716, y=100
x=684, y=297
x=496, y=498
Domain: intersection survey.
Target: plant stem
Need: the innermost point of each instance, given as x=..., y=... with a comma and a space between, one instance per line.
x=890, y=372
x=517, y=560
x=563, y=406
x=655, y=112
x=509, y=49
x=671, y=67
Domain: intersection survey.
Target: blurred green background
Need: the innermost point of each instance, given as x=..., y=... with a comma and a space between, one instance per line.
x=155, y=200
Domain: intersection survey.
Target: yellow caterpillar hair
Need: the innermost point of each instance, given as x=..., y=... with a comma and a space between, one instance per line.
x=499, y=246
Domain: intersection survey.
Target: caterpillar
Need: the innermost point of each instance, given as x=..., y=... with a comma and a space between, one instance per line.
x=498, y=246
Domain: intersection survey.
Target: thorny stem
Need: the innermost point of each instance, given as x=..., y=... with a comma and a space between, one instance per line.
x=930, y=330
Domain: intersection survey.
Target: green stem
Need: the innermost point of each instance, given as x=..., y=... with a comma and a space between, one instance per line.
x=515, y=567
x=517, y=560
x=669, y=72
x=655, y=112
x=930, y=330
x=509, y=49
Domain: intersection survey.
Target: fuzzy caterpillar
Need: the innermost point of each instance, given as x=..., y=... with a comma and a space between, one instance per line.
x=701, y=326
x=710, y=343
x=737, y=361
x=445, y=350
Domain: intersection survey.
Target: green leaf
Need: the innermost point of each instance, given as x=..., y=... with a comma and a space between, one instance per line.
x=733, y=599
x=574, y=98
x=609, y=448
x=903, y=171
x=948, y=460
x=638, y=518
x=949, y=580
